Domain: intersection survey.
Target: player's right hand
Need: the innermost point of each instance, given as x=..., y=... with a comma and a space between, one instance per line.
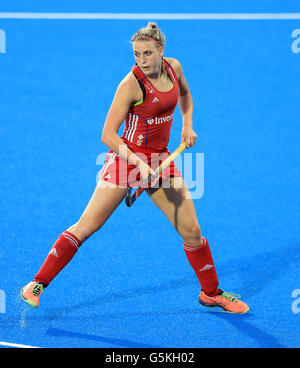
x=145, y=170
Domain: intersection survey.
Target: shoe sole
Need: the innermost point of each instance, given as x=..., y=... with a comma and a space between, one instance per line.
x=28, y=301
x=217, y=305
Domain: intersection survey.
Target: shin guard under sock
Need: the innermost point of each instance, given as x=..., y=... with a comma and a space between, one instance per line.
x=201, y=260
x=59, y=256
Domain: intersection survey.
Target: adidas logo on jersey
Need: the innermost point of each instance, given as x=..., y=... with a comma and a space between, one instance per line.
x=155, y=99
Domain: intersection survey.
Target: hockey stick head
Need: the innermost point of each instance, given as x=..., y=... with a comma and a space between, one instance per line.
x=127, y=197
x=131, y=198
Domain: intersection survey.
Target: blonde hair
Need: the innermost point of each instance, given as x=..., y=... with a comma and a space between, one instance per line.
x=151, y=32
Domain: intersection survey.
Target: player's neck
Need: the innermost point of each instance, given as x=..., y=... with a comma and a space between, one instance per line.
x=156, y=76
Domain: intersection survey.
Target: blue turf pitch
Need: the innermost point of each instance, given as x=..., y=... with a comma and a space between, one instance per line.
x=130, y=285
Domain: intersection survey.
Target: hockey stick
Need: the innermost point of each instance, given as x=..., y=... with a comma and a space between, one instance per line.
x=131, y=198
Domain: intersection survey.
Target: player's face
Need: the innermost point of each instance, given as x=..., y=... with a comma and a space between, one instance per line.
x=148, y=56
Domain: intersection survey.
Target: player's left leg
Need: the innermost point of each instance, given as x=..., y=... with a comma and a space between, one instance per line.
x=176, y=203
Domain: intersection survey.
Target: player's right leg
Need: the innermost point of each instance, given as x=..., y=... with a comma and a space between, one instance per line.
x=104, y=201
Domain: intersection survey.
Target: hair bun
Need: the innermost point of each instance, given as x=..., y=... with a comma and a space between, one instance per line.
x=150, y=31
x=152, y=25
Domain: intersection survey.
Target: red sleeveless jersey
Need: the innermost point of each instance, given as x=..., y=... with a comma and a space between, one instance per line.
x=148, y=124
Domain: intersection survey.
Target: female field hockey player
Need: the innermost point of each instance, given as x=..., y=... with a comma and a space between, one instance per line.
x=146, y=100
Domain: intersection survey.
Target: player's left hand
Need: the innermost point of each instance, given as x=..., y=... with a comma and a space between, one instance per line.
x=188, y=136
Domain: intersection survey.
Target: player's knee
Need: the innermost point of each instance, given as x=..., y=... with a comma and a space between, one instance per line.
x=192, y=234
x=83, y=229
x=89, y=229
x=196, y=232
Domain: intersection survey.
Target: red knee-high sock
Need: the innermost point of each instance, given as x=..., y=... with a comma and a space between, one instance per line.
x=201, y=260
x=59, y=256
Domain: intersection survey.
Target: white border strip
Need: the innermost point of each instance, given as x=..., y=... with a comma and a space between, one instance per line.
x=17, y=345
x=154, y=16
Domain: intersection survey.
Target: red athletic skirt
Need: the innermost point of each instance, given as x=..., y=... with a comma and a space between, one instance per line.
x=118, y=171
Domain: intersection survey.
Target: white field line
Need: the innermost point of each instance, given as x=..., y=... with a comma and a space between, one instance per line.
x=153, y=16
x=2, y=343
